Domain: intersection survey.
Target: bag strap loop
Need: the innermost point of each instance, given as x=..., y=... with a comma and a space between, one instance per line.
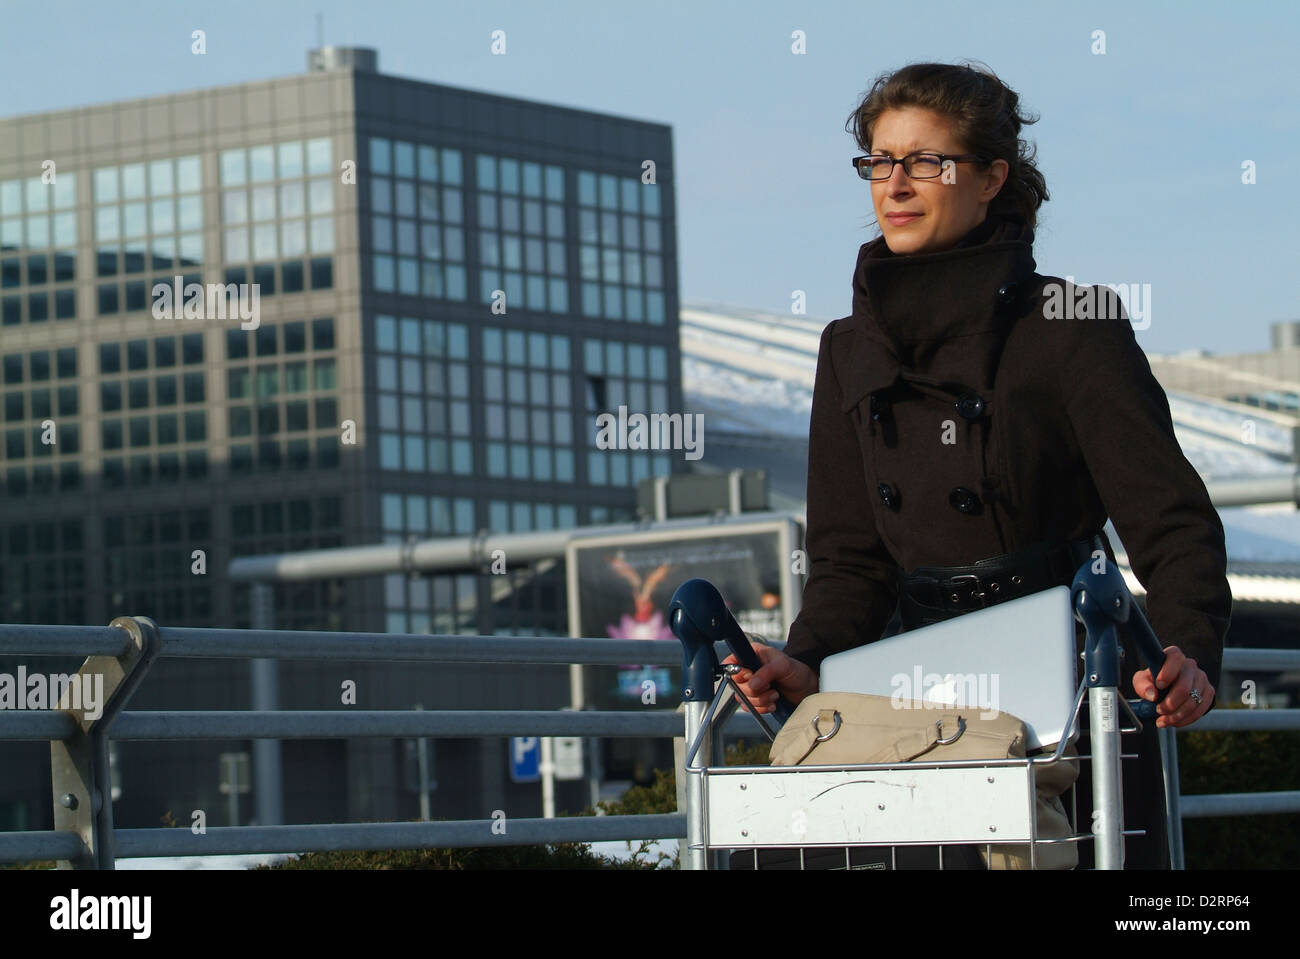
x=824, y=715
x=961, y=728
x=821, y=717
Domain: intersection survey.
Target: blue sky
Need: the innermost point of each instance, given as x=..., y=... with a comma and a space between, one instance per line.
x=1142, y=147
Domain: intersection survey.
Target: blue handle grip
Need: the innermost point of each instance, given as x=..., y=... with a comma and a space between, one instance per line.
x=1153, y=655
x=1144, y=709
x=697, y=614
x=1102, y=599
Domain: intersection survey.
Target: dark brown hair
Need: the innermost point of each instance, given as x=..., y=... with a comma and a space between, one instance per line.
x=986, y=119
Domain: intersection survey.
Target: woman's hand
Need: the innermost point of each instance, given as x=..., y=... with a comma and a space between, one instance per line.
x=779, y=673
x=1178, y=708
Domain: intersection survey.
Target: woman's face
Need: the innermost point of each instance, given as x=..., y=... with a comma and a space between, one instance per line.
x=943, y=212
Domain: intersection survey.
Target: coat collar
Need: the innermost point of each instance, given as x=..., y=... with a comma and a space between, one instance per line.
x=906, y=309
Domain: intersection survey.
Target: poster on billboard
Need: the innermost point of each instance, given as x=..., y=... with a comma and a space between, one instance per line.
x=620, y=587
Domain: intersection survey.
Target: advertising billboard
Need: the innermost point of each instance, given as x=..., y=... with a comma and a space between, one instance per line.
x=620, y=587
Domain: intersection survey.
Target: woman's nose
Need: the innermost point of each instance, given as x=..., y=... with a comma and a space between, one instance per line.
x=897, y=178
x=899, y=182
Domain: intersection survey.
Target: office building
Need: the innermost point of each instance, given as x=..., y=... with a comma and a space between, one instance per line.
x=450, y=286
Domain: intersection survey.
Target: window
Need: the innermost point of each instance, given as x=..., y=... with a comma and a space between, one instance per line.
x=196, y=427
x=157, y=209
x=322, y=273
x=324, y=372
x=513, y=260
x=631, y=374
x=622, y=266
x=277, y=205
x=263, y=407
x=165, y=390
x=416, y=362
x=426, y=237
x=138, y=393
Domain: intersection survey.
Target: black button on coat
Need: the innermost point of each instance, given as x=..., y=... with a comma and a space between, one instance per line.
x=1072, y=427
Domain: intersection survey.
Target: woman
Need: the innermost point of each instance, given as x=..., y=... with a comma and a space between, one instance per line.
x=957, y=419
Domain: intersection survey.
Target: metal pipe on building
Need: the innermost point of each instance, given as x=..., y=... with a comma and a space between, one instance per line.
x=463, y=552
x=1253, y=491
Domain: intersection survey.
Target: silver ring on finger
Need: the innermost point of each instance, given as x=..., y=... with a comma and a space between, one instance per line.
x=1196, y=695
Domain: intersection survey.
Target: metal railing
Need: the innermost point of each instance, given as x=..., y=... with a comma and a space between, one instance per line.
x=122, y=652
x=84, y=835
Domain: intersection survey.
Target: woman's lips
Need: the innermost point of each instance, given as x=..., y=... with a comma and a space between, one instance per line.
x=898, y=219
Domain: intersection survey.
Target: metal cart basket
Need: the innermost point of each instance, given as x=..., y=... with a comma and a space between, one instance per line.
x=844, y=816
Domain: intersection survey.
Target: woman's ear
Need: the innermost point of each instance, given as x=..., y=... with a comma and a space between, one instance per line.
x=995, y=178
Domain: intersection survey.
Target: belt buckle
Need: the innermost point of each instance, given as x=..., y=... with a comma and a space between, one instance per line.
x=976, y=592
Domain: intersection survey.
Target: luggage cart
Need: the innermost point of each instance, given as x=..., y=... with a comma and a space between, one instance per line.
x=916, y=804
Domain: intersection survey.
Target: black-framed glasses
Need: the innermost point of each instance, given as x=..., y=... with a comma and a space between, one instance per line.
x=919, y=166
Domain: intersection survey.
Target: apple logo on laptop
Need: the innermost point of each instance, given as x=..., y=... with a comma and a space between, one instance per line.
x=944, y=692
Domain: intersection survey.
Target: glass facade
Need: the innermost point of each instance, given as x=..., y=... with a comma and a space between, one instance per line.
x=271, y=524
x=43, y=573
x=446, y=387
x=38, y=257
x=278, y=215
x=528, y=406
x=153, y=415
x=42, y=434
x=624, y=374
x=417, y=217
x=282, y=388
x=444, y=603
x=526, y=382
x=422, y=378
x=441, y=602
x=521, y=233
x=186, y=434
x=148, y=218
x=521, y=517
x=148, y=564
x=424, y=516
x=620, y=251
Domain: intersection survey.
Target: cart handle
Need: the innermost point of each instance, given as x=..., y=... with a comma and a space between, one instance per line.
x=1102, y=601
x=699, y=617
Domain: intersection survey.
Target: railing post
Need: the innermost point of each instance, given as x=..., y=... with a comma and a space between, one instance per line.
x=79, y=773
x=265, y=682
x=422, y=771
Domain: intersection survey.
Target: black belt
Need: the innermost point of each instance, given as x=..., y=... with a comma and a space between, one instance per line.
x=932, y=593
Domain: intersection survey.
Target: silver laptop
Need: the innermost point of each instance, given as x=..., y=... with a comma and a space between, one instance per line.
x=1017, y=657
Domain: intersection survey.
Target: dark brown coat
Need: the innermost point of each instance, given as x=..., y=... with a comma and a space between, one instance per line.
x=1074, y=428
